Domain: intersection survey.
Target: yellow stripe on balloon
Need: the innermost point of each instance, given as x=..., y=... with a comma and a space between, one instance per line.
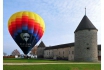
x=25, y=13
x=42, y=23
x=19, y=14
x=11, y=19
x=31, y=15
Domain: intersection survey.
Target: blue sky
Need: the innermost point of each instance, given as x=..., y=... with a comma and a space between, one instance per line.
x=61, y=19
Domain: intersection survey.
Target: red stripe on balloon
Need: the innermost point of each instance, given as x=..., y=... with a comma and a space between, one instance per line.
x=25, y=20
x=40, y=32
x=13, y=26
x=19, y=23
x=31, y=24
x=36, y=27
x=11, y=30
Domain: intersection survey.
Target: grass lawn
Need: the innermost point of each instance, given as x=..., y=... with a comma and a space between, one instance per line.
x=54, y=67
x=48, y=66
x=19, y=60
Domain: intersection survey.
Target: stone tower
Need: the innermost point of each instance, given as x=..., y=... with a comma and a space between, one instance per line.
x=40, y=50
x=86, y=41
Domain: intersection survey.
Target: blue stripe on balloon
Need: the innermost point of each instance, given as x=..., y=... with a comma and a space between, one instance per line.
x=15, y=33
x=30, y=31
x=24, y=28
x=14, y=37
x=37, y=38
x=19, y=30
x=35, y=34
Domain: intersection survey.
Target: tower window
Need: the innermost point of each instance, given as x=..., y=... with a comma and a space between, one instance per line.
x=88, y=48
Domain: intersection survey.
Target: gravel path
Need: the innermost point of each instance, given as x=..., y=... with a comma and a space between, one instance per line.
x=43, y=63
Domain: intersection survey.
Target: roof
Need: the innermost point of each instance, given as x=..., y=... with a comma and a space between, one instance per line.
x=85, y=24
x=64, y=46
x=60, y=46
x=41, y=44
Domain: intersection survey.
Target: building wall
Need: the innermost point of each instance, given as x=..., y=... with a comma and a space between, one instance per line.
x=45, y=53
x=40, y=52
x=48, y=53
x=68, y=53
x=55, y=54
x=71, y=53
x=86, y=45
x=61, y=53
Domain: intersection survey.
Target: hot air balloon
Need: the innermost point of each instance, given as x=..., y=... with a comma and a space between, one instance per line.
x=26, y=28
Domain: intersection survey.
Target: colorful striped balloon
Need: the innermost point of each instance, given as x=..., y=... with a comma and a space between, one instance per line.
x=26, y=28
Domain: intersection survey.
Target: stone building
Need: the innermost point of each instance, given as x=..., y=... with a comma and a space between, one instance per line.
x=84, y=48
x=40, y=50
x=86, y=41
x=63, y=52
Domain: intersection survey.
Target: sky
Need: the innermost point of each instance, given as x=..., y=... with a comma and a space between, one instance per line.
x=61, y=18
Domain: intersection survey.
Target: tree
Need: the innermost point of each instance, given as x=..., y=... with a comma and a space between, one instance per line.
x=4, y=54
x=15, y=52
x=34, y=51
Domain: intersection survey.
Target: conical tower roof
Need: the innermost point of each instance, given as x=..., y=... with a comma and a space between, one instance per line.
x=85, y=24
x=41, y=44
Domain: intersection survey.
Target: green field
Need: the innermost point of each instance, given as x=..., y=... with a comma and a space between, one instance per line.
x=54, y=67
x=14, y=60
x=74, y=66
x=18, y=60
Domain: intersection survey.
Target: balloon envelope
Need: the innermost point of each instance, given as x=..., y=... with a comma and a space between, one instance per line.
x=26, y=28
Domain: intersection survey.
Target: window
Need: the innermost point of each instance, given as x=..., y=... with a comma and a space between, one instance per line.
x=88, y=48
